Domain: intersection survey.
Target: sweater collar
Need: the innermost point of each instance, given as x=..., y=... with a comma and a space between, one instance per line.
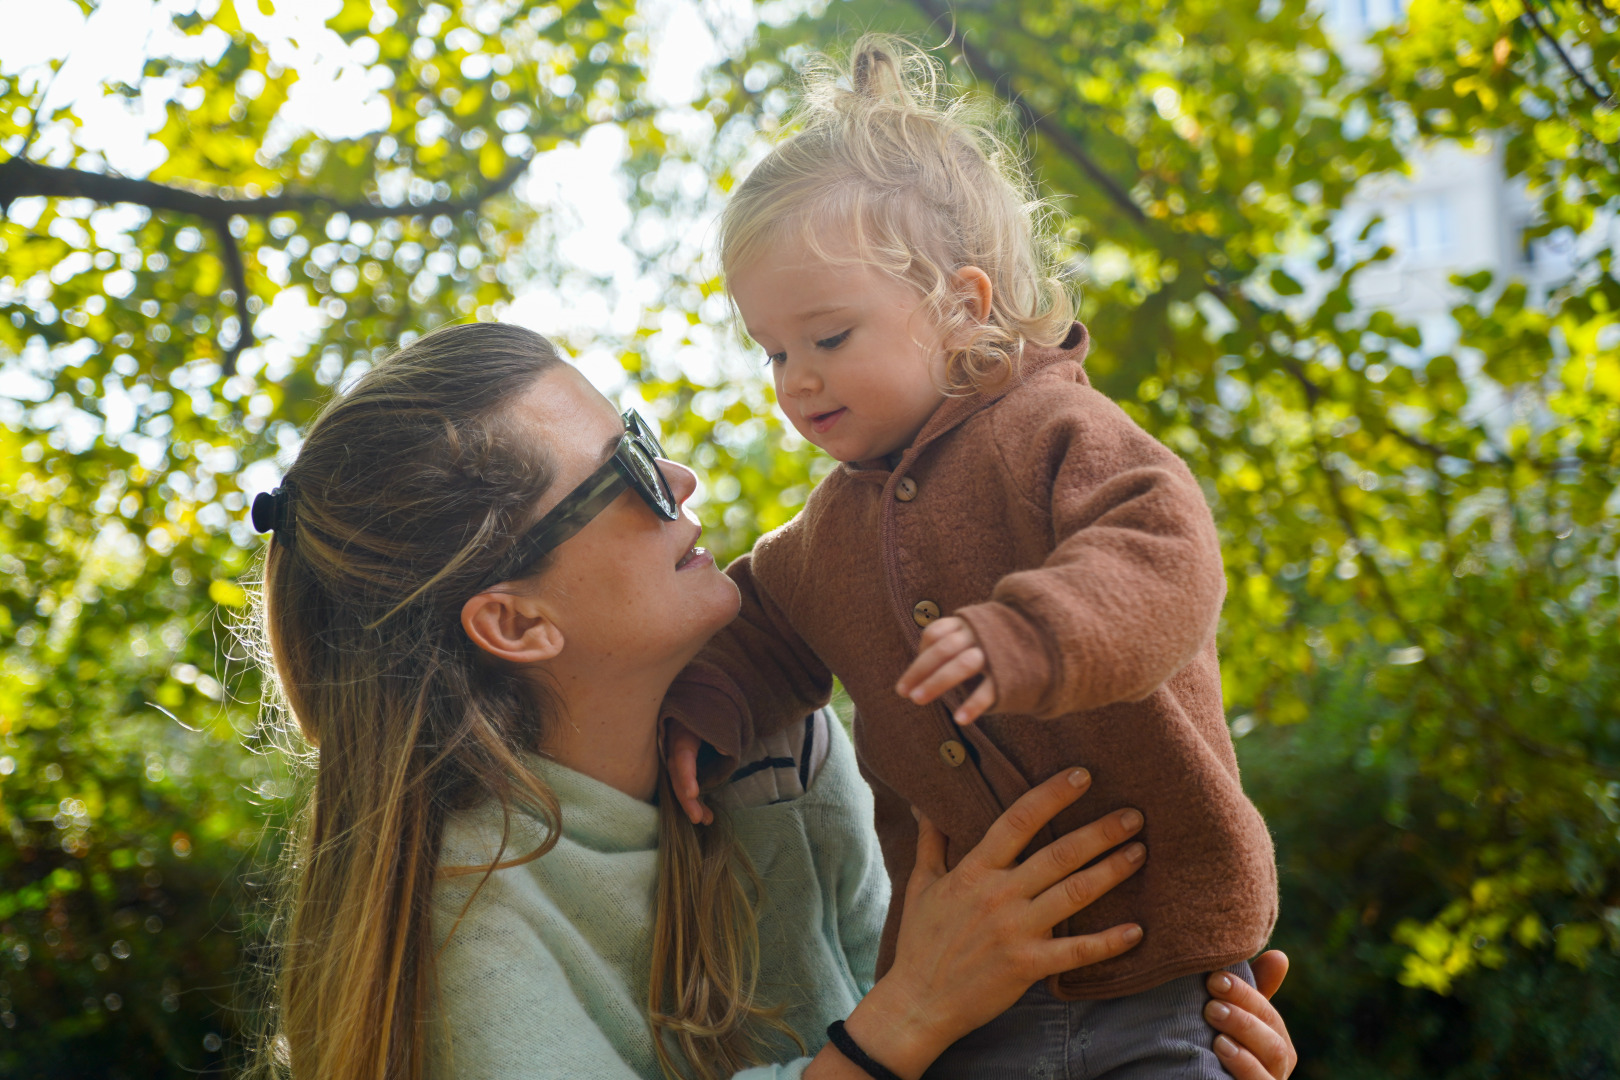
x=953, y=410
x=596, y=815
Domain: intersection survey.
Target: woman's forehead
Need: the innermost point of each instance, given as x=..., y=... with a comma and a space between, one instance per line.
x=573, y=421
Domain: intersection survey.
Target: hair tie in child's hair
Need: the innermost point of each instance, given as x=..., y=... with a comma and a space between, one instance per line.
x=271, y=512
x=862, y=76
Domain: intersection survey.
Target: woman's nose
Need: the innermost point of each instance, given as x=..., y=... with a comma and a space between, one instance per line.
x=681, y=480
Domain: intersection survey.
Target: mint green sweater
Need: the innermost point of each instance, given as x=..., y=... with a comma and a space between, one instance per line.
x=546, y=974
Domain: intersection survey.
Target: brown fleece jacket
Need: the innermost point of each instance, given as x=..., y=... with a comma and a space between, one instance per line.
x=1082, y=553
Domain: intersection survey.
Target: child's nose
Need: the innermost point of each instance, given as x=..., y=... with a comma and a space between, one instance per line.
x=798, y=378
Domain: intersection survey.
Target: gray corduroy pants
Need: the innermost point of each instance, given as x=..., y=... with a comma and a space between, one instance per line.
x=1159, y=1034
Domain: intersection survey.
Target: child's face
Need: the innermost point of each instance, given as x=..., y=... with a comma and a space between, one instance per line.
x=858, y=360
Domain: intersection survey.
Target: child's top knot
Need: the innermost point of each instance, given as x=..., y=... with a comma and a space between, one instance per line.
x=884, y=70
x=892, y=167
x=875, y=75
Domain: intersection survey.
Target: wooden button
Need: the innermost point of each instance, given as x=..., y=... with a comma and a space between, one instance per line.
x=952, y=753
x=925, y=612
x=906, y=489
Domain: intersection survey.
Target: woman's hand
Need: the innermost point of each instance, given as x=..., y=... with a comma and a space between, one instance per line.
x=1254, y=1044
x=974, y=939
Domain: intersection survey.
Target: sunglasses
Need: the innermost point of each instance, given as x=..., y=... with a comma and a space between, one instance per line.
x=634, y=464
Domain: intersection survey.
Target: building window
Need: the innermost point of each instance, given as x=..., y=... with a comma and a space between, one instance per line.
x=1428, y=227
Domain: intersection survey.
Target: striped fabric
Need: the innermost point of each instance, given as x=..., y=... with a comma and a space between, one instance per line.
x=782, y=766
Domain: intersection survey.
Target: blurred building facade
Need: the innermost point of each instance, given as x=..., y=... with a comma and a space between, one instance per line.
x=1456, y=213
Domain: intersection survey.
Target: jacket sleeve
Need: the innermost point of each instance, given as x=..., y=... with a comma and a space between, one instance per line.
x=757, y=675
x=1133, y=588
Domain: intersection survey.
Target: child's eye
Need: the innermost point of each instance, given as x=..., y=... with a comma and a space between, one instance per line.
x=834, y=341
x=775, y=358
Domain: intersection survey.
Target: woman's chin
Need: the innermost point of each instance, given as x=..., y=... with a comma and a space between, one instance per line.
x=721, y=600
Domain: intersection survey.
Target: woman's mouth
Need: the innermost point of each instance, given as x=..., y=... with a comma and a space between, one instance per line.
x=821, y=422
x=695, y=556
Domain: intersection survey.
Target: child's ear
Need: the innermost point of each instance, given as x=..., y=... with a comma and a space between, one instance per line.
x=973, y=285
x=514, y=627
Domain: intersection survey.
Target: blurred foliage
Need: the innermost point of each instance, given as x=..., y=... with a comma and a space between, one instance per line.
x=1419, y=641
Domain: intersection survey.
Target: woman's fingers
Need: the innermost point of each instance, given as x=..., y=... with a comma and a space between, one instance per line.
x=1078, y=890
x=1068, y=853
x=1017, y=826
x=1253, y=1030
x=930, y=864
x=979, y=702
x=1068, y=953
x=1269, y=969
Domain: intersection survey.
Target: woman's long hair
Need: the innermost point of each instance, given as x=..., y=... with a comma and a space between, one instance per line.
x=406, y=492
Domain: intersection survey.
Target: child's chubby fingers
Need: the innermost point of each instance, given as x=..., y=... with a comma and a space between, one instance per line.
x=978, y=703
x=941, y=643
x=681, y=758
x=955, y=671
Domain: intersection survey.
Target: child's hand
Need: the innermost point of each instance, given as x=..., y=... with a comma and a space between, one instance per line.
x=949, y=656
x=681, y=759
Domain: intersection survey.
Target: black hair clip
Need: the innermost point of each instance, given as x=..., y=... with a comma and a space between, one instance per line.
x=270, y=511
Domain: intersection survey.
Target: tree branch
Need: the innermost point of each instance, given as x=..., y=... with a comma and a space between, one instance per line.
x=1489, y=717
x=21, y=179
x=1058, y=136
x=1569, y=65
x=232, y=256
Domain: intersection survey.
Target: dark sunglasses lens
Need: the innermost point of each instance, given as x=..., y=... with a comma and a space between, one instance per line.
x=650, y=481
x=639, y=429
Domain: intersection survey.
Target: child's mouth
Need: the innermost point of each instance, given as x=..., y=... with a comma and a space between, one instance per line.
x=820, y=422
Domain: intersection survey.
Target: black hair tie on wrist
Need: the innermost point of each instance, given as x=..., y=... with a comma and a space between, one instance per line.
x=271, y=512
x=857, y=1057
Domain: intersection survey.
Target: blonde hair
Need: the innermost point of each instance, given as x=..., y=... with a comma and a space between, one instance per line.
x=922, y=185
x=406, y=492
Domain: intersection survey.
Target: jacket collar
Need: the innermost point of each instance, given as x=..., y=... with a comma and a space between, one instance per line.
x=954, y=410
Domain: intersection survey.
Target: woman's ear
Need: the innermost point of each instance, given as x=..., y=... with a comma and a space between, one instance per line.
x=513, y=627
x=973, y=285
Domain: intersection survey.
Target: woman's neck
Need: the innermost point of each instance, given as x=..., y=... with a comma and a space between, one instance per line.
x=608, y=730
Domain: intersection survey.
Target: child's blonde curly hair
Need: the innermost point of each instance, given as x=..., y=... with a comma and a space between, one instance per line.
x=922, y=185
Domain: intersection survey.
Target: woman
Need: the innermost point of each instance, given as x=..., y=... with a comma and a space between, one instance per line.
x=479, y=587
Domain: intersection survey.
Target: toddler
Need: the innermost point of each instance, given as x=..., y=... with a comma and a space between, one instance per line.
x=1007, y=574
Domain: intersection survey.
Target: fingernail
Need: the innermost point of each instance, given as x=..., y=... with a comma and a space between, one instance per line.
x=1131, y=819
x=915, y=813
x=1079, y=778
x=1225, y=1047
x=1133, y=934
x=961, y=716
x=1134, y=853
x=1220, y=984
x=917, y=696
x=1216, y=1011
